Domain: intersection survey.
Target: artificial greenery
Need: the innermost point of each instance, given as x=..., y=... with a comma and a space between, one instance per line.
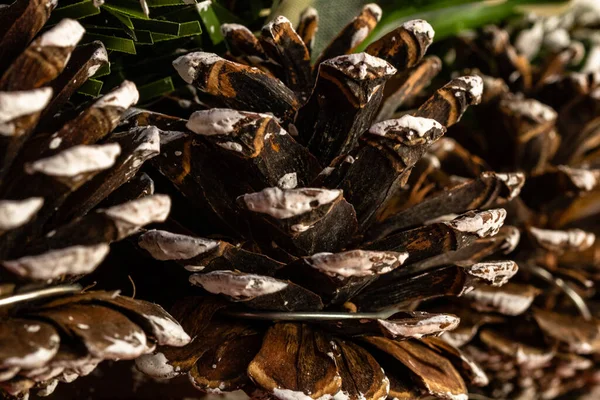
x=143, y=37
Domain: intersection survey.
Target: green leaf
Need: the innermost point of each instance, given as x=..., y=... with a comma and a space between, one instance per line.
x=187, y=29
x=224, y=15
x=182, y=14
x=144, y=38
x=190, y=29
x=75, y=11
x=164, y=3
x=123, y=18
x=103, y=70
x=210, y=21
x=448, y=17
x=120, y=31
x=161, y=37
x=450, y=23
x=154, y=25
x=277, y=3
x=424, y=10
x=124, y=7
x=156, y=89
x=114, y=43
x=91, y=87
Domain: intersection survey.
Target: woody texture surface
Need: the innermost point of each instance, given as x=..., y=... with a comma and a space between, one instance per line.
x=353, y=225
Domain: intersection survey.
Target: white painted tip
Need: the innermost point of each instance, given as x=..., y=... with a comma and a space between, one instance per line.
x=14, y=213
x=419, y=126
x=512, y=239
x=156, y=366
x=75, y=260
x=238, y=286
x=33, y=357
x=163, y=245
x=482, y=224
x=282, y=204
x=514, y=181
x=19, y=103
x=288, y=394
x=203, y=5
x=309, y=12
x=422, y=324
x=67, y=33
x=76, y=160
x=529, y=41
x=530, y=107
x=496, y=273
x=48, y=387
x=187, y=65
x=149, y=140
x=584, y=179
x=420, y=27
x=360, y=65
x=571, y=239
x=279, y=20
x=507, y=302
x=356, y=262
x=131, y=216
x=167, y=137
x=167, y=331
x=123, y=96
x=374, y=9
x=475, y=86
x=288, y=181
x=557, y=39
x=226, y=28
x=100, y=56
x=231, y=146
x=219, y=121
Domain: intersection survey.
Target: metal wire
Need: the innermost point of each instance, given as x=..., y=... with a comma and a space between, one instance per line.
x=565, y=287
x=39, y=294
x=308, y=315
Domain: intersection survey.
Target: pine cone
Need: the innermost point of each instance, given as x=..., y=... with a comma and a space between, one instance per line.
x=62, y=339
x=290, y=167
x=539, y=335
x=66, y=156
x=57, y=163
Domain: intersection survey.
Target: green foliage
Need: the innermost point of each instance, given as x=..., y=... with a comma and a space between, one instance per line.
x=448, y=17
x=142, y=45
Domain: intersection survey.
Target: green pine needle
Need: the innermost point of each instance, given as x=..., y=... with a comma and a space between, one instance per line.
x=156, y=89
x=91, y=87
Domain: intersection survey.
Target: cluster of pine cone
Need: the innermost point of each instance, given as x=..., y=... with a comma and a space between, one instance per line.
x=366, y=233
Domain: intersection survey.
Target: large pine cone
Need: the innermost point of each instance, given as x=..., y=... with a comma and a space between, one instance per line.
x=57, y=164
x=539, y=335
x=293, y=173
